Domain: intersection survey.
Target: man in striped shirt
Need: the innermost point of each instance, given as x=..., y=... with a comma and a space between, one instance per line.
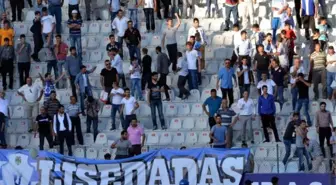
x=73, y=110
x=52, y=104
x=75, y=25
x=318, y=65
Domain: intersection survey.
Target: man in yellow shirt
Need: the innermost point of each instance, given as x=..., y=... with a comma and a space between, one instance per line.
x=7, y=32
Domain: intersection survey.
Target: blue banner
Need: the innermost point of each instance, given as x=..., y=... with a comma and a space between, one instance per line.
x=201, y=166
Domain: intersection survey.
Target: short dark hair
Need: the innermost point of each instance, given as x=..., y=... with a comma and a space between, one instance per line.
x=123, y=132
x=44, y=9
x=145, y=50
x=243, y=32
x=264, y=86
x=126, y=89
x=260, y=45
x=283, y=32
x=179, y=54
x=58, y=35
x=129, y=21
x=6, y=39
x=323, y=18
x=275, y=180
x=296, y=114
x=52, y=92
x=301, y=74
x=331, y=47
x=133, y=58
x=213, y=90
x=158, y=48
x=120, y=10
x=72, y=48
x=46, y=75
x=82, y=66
x=154, y=73
x=111, y=36
x=235, y=26
x=22, y=36
x=323, y=103
x=107, y=156
x=255, y=26
x=134, y=118
x=60, y=106
x=195, y=20
x=114, y=50
x=305, y=139
x=37, y=12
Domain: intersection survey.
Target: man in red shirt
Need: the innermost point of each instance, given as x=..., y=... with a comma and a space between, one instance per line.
x=61, y=51
x=290, y=35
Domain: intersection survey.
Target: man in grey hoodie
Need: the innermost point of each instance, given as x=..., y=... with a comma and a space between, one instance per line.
x=23, y=50
x=72, y=67
x=163, y=64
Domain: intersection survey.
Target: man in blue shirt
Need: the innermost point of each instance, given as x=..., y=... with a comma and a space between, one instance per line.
x=309, y=12
x=225, y=75
x=219, y=134
x=213, y=103
x=266, y=109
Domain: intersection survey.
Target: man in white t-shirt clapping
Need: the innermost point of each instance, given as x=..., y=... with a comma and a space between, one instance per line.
x=194, y=66
x=48, y=27
x=130, y=105
x=268, y=82
x=116, y=95
x=331, y=69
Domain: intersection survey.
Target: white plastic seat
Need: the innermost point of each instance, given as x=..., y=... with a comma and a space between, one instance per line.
x=34, y=140
x=35, y=69
x=196, y=109
x=30, y=16
x=79, y=152
x=183, y=109
x=314, y=107
x=280, y=122
x=102, y=152
x=209, y=53
x=175, y=124
x=91, y=153
x=292, y=167
x=272, y=153
x=23, y=140
x=19, y=112
x=65, y=96
x=145, y=40
x=265, y=167
x=181, y=40
x=287, y=108
x=216, y=25
x=145, y=110
x=88, y=139
x=105, y=27
x=266, y=24
x=16, y=99
x=257, y=136
x=178, y=138
x=201, y=123
x=171, y=110
x=330, y=106
x=93, y=42
x=20, y=28
x=188, y=123
x=152, y=138
x=191, y=138
x=84, y=42
x=85, y=55
x=220, y=54
x=101, y=139
x=212, y=84
x=277, y=107
x=203, y=138
x=165, y=138
x=94, y=28
x=206, y=93
x=260, y=153
x=106, y=111
x=11, y=127
x=217, y=40
x=96, y=56
x=53, y=150
x=282, y=168
x=194, y=95
x=12, y=140
x=156, y=40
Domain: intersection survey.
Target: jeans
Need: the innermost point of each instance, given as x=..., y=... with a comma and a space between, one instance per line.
x=157, y=104
x=192, y=79
x=172, y=52
x=275, y=25
x=65, y=135
x=280, y=96
x=122, y=78
x=181, y=86
x=114, y=110
x=24, y=69
x=49, y=138
x=208, y=4
x=133, y=13
x=308, y=22
x=134, y=51
x=60, y=65
x=150, y=23
x=120, y=44
x=44, y=39
x=38, y=45
x=52, y=64
x=186, y=4
x=73, y=86
x=76, y=41
x=163, y=82
x=17, y=5
x=305, y=103
x=136, y=86
x=297, y=4
x=2, y=6
x=303, y=152
x=295, y=93
x=228, y=11
x=330, y=78
x=94, y=121
x=288, y=149
x=245, y=87
x=57, y=12
x=87, y=92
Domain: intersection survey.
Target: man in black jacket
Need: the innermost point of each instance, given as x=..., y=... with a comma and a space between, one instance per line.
x=36, y=29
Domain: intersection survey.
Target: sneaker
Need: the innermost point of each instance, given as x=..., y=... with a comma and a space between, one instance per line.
x=112, y=129
x=252, y=142
x=266, y=141
x=163, y=127
x=154, y=127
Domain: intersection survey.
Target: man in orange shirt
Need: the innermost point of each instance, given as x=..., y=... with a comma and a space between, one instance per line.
x=7, y=32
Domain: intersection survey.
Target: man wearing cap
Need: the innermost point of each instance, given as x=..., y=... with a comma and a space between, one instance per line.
x=82, y=82
x=73, y=5
x=54, y=7
x=74, y=25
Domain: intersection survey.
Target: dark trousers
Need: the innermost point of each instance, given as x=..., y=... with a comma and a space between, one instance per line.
x=297, y=11
x=212, y=122
x=121, y=157
x=134, y=51
x=94, y=122
x=49, y=139
x=17, y=6
x=136, y=150
x=127, y=121
x=76, y=125
x=157, y=104
x=121, y=77
x=24, y=69
x=269, y=121
x=73, y=86
x=38, y=44
x=172, y=52
x=229, y=93
x=7, y=68
x=308, y=22
x=163, y=82
x=325, y=133
x=150, y=23
x=57, y=12
x=182, y=80
x=65, y=135
x=2, y=135
x=166, y=8
x=245, y=87
x=146, y=78
x=73, y=7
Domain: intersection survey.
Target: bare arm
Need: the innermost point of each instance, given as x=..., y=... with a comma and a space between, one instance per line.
x=178, y=21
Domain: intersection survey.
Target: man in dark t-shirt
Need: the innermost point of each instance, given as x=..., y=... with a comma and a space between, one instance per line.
x=43, y=124
x=261, y=62
x=108, y=75
x=112, y=44
x=146, y=65
x=303, y=89
x=155, y=101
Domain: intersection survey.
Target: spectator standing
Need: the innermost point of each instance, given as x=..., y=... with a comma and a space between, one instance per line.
x=135, y=71
x=303, y=91
x=92, y=110
x=266, y=109
x=246, y=114
x=43, y=125
x=278, y=77
x=333, y=143
x=73, y=109
x=36, y=29
x=282, y=51
x=117, y=63
x=149, y=6
x=52, y=104
x=114, y=6
x=227, y=114
x=120, y=25
x=187, y=4
x=315, y=152
x=331, y=69
x=50, y=58
x=154, y=100
x=55, y=10
x=62, y=127
x=297, y=5
x=163, y=64
x=4, y=19
x=290, y=135
x=75, y=25
x=112, y=44
x=244, y=48
x=293, y=72
x=290, y=35
x=132, y=8
x=194, y=66
x=261, y=62
x=225, y=75
x=83, y=84
x=324, y=125
x=169, y=37
x=257, y=37
x=17, y=7
x=61, y=52
x=309, y=10
x=219, y=134
x=23, y=51
x=270, y=84
x=31, y=94
x=39, y=5
x=301, y=133
x=73, y=5
x=245, y=76
x=269, y=44
x=182, y=68
x=133, y=40
x=245, y=9
x=117, y=95
x=72, y=67
x=209, y=10
x=279, y=8
x=48, y=27
x=136, y=136
x=146, y=65
x=318, y=65
x=108, y=76
x=123, y=146
x=213, y=102
x=130, y=105
x=4, y=106
x=7, y=32
x=192, y=32
x=3, y=143
x=231, y=7
x=7, y=56
x=323, y=29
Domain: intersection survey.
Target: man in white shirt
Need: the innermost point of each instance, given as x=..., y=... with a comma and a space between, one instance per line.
x=331, y=69
x=31, y=94
x=243, y=49
x=182, y=68
x=192, y=32
x=268, y=82
x=246, y=114
x=114, y=6
x=131, y=105
x=294, y=71
x=117, y=63
x=62, y=127
x=119, y=25
x=194, y=66
x=116, y=95
x=4, y=106
x=279, y=7
x=48, y=27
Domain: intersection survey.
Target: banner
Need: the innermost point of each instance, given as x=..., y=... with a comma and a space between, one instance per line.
x=204, y=166
x=290, y=179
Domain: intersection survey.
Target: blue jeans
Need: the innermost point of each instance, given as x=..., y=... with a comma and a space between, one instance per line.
x=87, y=92
x=295, y=93
x=280, y=96
x=121, y=77
x=44, y=38
x=2, y=6
x=52, y=64
x=192, y=79
x=60, y=64
x=303, y=152
x=76, y=41
x=288, y=148
x=57, y=12
x=94, y=121
x=134, y=51
x=120, y=43
x=114, y=110
x=305, y=103
x=208, y=4
x=275, y=25
x=133, y=13
x=157, y=104
x=228, y=11
x=136, y=86
x=330, y=78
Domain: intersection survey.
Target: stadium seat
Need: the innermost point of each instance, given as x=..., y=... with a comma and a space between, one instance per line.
x=181, y=39
x=156, y=40
x=265, y=167
x=85, y=55
x=23, y=140
x=96, y=56
x=16, y=99
x=106, y=111
x=277, y=108
x=105, y=27
x=194, y=96
x=323, y=168
x=165, y=138
x=206, y=93
x=92, y=43
x=36, y=69
x=292, y=167
x=203, y=138
x=178, y=138
x=152, y=138
x=201, y=123
x=88, y=139
x=216, y=25
x=34, y=140
x=12, y=140
x=188, y=123
x=30, y=16
x=257, y=136
x=212, y=84
x=79, y=152
x=282, y=168
x=175, y=124
x=196, y=109
x=260, y=153
x=272, y=153
x=191, y=138
x=91, y=153
x=287, y=108
x=314, y=107
x=19, y=112
x=20, y=29
x=102, y=152
x=256, y=168
x=170, y=110
x=53, y=150
x=183, y=109
x=94, y=28
x=280, y=122
x=209, y=53
x=101, y=139
x=217, y=40
x=145, y=110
